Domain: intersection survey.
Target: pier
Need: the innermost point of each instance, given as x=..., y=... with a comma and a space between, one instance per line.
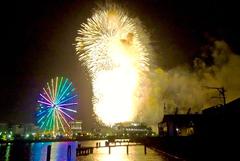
x=80, y=151
x=84, y=151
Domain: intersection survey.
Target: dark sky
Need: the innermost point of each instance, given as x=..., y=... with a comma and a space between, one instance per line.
x=38, y=38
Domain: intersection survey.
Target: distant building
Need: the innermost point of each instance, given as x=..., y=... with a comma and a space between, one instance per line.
x=3, y=127
x=76, y=127
x=17, y=129
x=30, y=128
x=132, y=129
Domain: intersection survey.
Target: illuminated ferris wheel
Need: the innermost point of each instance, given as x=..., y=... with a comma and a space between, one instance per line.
x=57, y=105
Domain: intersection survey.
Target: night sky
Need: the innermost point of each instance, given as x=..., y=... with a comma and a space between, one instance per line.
x=38, y=38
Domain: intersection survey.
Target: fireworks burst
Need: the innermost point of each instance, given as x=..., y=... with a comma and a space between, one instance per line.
x=110, y=45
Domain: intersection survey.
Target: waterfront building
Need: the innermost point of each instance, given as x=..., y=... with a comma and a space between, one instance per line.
x=219, y=120
x=30, y=128
x=17, y=129
x=3, y=127
x=132, y=129
x=179, y=125
x=76, y=127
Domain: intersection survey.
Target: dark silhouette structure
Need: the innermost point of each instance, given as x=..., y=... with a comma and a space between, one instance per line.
x=212, y=135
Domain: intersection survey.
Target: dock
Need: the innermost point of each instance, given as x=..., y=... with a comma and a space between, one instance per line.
x=81, y=151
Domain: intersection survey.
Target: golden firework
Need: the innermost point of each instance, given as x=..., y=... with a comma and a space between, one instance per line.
x=109, y=46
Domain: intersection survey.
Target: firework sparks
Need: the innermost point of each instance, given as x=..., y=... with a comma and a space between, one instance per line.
x=109, y=45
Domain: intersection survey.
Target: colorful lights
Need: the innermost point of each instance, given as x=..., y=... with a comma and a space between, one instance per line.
x=57, y=105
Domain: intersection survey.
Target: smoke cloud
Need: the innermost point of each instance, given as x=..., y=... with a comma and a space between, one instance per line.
x=184, y=87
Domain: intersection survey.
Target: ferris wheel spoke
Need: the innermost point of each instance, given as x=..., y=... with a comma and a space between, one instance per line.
x=59, y=88
x=52, y=85
x=64, y=85
x=45, y=98
x=44, y=103
x=42, y=112
x=64, y=91
x=62, y=88
x=52, y=122
x=67, y=109
x=56, y=120
x=47, y=95
x=41, y=118
x=67, y=104
x=60, y=112
x=67, y=99
x=56, y=87
x=66, y=114
x=50, y=92
x=47, y=118
x=59, y=119
x=49, y=125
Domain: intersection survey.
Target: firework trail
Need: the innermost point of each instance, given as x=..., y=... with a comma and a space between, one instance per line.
x=111, y=45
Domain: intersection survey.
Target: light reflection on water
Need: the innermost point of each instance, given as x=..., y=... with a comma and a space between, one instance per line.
x=7, y=154
x=38, y=152
x=58, y=151
x=136, y=153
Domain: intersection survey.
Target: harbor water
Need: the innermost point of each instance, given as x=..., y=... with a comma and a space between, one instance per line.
x=60, y=152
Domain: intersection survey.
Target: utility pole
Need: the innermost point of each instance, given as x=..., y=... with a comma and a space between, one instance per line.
x=221, y=92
